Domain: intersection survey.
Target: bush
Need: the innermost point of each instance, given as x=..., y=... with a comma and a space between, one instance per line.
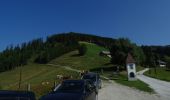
x=82, y=49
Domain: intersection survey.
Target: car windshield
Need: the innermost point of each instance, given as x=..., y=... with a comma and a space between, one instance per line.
x=91, y=77
x=71, y=87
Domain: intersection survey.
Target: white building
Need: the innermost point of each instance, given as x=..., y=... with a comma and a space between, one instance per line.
x=131, y=68
x=161, y=63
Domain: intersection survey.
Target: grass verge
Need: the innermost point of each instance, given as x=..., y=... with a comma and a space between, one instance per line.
x=139, y=68
x=134, y=84
x=122, y=79
x=161, y=73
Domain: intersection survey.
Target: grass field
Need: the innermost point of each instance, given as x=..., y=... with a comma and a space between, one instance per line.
x=35, y=75
x=90, y=60
x=139, y=68
x=161, y=73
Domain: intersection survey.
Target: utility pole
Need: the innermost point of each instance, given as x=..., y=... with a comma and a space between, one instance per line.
x=155, y=68
x=20, y=78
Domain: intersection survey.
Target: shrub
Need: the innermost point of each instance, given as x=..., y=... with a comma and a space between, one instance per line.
x=82, y=49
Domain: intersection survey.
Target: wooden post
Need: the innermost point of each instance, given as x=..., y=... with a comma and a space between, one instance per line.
x=28, y=87
x=102, y=71
x=55, y=84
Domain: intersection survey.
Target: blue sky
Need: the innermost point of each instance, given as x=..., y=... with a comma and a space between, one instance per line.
x=143, y=21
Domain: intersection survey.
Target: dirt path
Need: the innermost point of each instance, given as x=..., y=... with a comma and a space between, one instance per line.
x=114, y=91
x=161, y=87
x=65, y=67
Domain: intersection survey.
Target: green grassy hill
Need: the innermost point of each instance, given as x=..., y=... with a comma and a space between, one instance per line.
x=36, y=74
x=89, y=61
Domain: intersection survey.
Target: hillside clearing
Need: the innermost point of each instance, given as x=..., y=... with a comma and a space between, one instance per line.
x=89, y=61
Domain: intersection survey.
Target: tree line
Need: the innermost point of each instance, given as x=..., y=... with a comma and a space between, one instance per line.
x=36, y=51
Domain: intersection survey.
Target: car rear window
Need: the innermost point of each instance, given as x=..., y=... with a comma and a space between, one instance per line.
x=91, y=77
x=70, y=87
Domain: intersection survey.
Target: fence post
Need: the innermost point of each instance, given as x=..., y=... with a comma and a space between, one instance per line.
x=55, y=84
x=28, y=87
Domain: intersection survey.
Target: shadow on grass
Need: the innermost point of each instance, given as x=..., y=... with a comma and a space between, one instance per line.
x=107, y=69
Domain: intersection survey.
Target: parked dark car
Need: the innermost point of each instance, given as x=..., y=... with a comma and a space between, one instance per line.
x=95, y=79
x=16, y=95
x=73, y=90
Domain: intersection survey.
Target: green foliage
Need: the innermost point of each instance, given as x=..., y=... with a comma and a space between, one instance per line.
x=121, y=48
x=119, y=51
x=154, y=53
x=82, y=49
x=19, y=55
x=167, y=60
x=43, y=57
x=52, y=51
x=102, y=41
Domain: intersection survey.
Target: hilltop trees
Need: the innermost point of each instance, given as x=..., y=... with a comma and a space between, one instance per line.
x=102, y=41
x=155, y=53
x=121, y=48
x=53, y=50
x=19, y=55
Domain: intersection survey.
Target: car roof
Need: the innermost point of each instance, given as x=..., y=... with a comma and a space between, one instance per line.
x=91, y=73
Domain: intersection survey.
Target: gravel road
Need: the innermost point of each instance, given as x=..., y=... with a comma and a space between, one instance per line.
x=161, y=87
x=114, y=91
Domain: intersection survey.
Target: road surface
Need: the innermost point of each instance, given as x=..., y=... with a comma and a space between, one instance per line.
x=162, y=88
x=114, y=91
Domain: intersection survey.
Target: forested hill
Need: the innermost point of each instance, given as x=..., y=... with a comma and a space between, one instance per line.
x=102, y=41
x=39, y=51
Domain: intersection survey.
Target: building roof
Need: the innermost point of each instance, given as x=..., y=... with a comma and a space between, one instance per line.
x=129, y=59
x=105, y=52
x=161, y=62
